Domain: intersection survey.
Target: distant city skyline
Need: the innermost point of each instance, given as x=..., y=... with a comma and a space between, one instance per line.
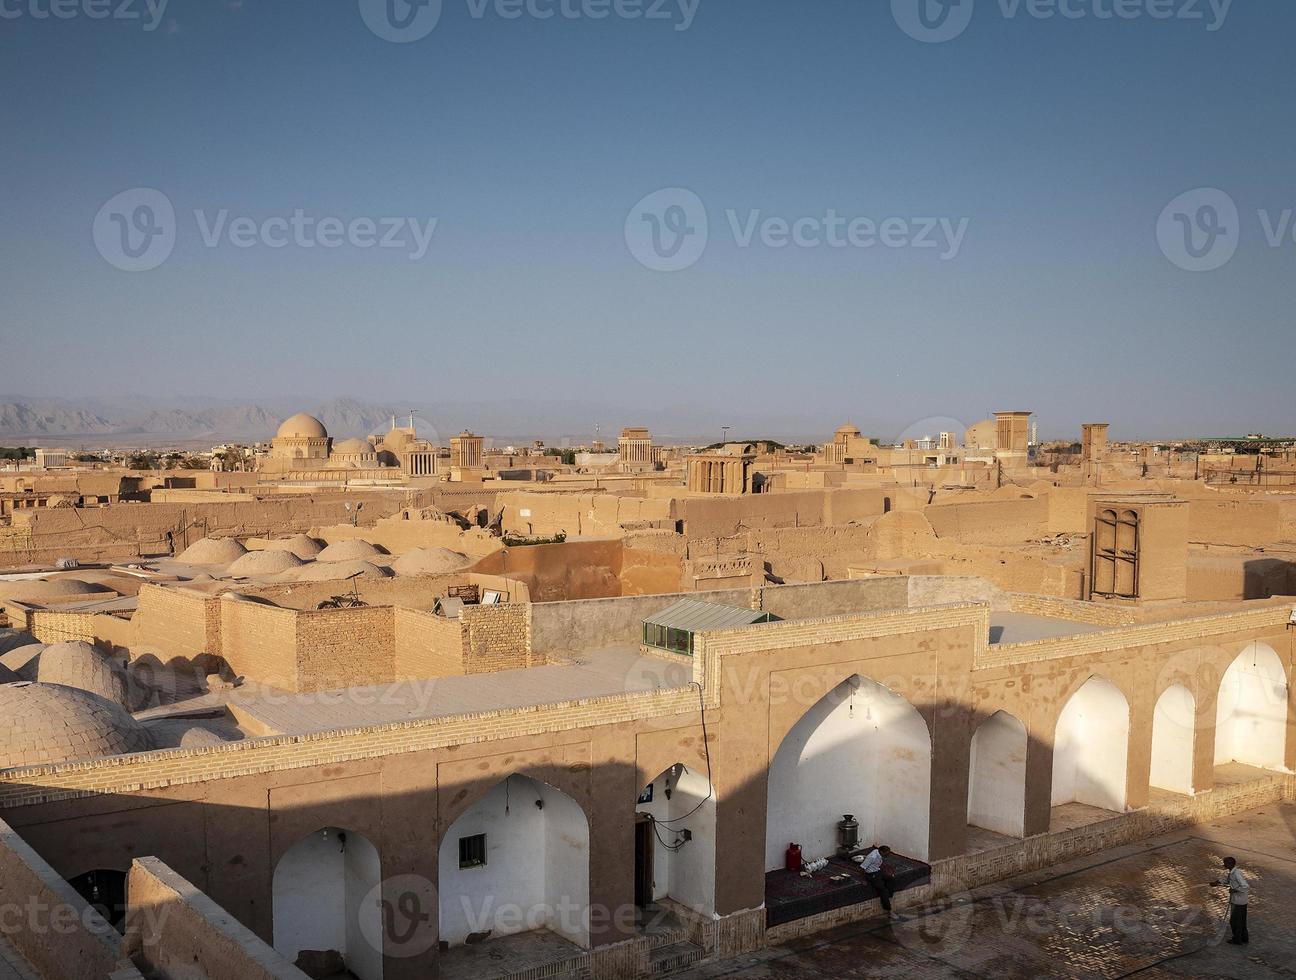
x=854, y=223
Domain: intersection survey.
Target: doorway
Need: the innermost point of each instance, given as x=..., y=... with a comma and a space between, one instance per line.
x=643, y=874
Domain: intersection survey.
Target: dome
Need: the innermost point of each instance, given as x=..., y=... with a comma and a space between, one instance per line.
x=352, y=447
x=48, y=723
x=339, y=571
x=302, y=426
x=79, y=665
x=269, y=562
x=213, y=551
x=302, y=545
x=46, y=590
x=356, y=548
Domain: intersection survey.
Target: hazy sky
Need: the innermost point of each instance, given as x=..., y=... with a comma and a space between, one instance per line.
x=981, y=223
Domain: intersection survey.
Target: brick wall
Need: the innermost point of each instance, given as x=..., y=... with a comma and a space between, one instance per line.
x=176, y=622
x=497, y=637
x=427, y=645
x=259, y=642
x=339, y=648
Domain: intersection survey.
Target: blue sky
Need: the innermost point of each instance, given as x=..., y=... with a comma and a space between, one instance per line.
x=1057, y=143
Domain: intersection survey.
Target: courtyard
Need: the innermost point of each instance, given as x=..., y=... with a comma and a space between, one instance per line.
x=1141, y=910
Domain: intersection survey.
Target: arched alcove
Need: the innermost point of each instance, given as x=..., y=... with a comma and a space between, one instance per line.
x=517, y=860
x=863, y=750
x=1251, y=712
x=675, y=842
x=319, y=900
x=1091, y=747
x=997, y=776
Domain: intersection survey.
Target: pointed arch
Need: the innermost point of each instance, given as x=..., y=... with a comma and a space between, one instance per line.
x=1251, y=710
x=682, y=865
x=322, y=900
x=1091, y=747
x=514, y=861
x=997, y=775
x=861, y=749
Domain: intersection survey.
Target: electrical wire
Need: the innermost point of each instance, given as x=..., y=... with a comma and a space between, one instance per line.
x=706, y=747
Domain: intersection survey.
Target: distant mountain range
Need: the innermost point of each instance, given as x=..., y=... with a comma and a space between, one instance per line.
x=195, y=421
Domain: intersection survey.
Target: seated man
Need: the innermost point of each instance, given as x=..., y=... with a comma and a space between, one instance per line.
x=871, y=864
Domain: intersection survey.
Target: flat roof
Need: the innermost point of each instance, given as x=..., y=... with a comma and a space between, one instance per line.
x=616, y=670
x=1010, y=627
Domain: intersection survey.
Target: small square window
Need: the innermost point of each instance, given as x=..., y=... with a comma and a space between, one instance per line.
x=472, y=851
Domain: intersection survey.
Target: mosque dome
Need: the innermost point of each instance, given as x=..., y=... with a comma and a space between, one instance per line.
x=49, y=723
x=352, y=447
x=302, y=426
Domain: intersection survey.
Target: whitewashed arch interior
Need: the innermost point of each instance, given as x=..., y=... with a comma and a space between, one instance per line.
x=1251, y=713
x=319, y=897
x=1091, y=747
x=863, y=750
x=997, y=775
x=683, y=870
x=536, y=872
x=1173, y=725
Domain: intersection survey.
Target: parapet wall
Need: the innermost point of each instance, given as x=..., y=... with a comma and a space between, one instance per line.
x=176, y=931
x=48, y=923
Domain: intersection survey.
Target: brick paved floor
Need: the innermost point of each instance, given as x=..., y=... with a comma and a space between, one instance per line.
x=1142, y=910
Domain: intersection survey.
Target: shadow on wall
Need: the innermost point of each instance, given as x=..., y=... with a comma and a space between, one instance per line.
x=401, y=852
x=1264, y=578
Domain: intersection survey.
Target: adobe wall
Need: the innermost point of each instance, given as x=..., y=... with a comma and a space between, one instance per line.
x=562, y=628
x=1252, y=522
x=497, y=638
x=719, y=517
x=48, y=923
x=260, y=642
x=175, y=622
x=991, y=521
x=223, y=817
x=131, y=529
x=174, y=931
x=546, y=513
x=572, y=570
